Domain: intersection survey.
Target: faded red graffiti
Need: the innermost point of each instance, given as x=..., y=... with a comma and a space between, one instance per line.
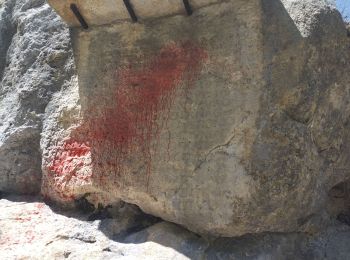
x=28, y=220
x=143, y=94
x=142, y=100
x=70, y=163
x=68, y=159
x=136, y=111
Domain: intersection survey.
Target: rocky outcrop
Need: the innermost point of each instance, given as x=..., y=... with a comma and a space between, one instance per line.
x=231, y=121
x=35, y=62
x=48, y=234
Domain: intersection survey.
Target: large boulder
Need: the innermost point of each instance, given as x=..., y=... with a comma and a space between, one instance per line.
x=233, y=120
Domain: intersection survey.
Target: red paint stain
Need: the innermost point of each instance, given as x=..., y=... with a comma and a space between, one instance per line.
x=141, y=104
x=21, y=219
x=29, y=236
x=31, y=220
x=68, y=159
x=137, y=109
x=40, y=206
x=142, y=94
x=68, y=167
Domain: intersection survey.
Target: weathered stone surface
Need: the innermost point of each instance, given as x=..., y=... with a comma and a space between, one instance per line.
x=231, y=121
x=32, y=230
x=157, y=121
x=35, y=61
x=29, y=229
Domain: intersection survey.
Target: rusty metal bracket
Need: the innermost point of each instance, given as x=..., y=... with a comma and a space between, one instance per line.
x=188, y=7
x=78, y=15
x=131, y=11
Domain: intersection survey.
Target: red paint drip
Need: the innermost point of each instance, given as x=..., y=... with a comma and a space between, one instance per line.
x=143, y=93
x=132, y=117
x=142, y=100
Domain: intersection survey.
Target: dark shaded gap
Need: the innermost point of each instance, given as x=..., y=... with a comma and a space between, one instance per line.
x=188, y=7
x=339, y=202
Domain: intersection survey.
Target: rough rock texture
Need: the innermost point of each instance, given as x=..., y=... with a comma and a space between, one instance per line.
x=48, y=234
x=35, y=61
x=231, y=121
x=348, y=28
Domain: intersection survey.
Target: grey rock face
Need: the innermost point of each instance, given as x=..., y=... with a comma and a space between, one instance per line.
x=35, y=62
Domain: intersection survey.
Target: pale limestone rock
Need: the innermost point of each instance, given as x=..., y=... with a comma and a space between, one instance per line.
x=32, y=230
x=229, y=121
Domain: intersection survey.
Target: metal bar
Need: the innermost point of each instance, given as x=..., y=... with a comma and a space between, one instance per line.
x=78, y=15
x=131, y=11
x=188, y=7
